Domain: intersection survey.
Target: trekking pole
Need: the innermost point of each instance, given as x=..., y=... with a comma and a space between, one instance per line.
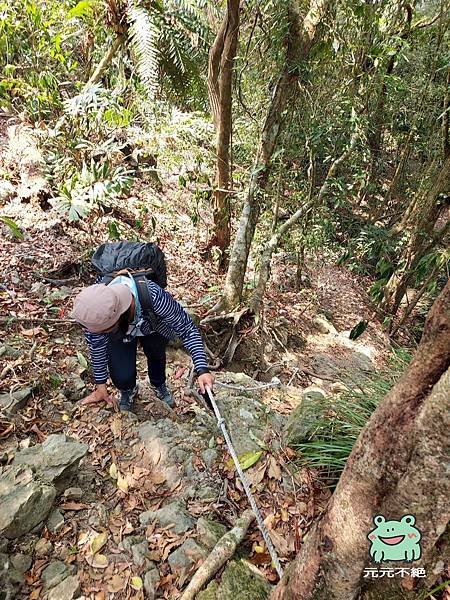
x=222, y=425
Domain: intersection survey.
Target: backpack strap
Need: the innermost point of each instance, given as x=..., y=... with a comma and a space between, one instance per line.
x=144, y=298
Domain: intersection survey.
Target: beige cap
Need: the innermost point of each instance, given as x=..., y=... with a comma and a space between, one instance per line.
x=99, y=306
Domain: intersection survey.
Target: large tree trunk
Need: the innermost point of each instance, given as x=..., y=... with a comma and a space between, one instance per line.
x=422, y=239
x=399, y=465
x=220, y=78
x=301, y=37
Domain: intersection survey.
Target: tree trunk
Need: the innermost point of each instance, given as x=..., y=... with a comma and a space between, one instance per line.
x=397, y=466
x=106, y=61
x=220, y=78
x=301, y=37
x=270, y=247
x=422, y=219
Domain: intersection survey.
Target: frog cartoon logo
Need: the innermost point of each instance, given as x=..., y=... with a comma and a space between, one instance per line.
x=395, y=540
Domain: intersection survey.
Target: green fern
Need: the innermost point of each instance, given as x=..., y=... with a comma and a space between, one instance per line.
x=143, y=37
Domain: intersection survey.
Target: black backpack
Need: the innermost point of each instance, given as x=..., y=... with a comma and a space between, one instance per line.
x=141, y=260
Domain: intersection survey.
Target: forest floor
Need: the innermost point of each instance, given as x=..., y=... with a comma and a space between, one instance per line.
x=303, y=341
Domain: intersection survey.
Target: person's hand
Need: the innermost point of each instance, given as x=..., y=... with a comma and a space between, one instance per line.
x=204, y=381
x=100, y=394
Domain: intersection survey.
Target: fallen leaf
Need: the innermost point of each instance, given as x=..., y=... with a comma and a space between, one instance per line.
x=98, y=542
x=98, y=561
x=82, y=360
x=116, y=427
x=65, y=417
x=35, y=593
x=158, y=478
x=179, y=373
x=136, y=583
x=34, y=331
x=246, y=460
x=122, y=483
x=116, y=584
x=73, y=506
x=113, y=471
x=274, y=469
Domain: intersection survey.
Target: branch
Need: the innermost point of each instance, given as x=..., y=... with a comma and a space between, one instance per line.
x=106, y=60
x=222, y=551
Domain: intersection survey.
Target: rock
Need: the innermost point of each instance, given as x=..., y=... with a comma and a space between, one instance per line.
x=68, y=589
x=210, y=593
x=25, y=500
x=186, y=555
x=43, y=548
x=10, y=351
x=73, y=493
x=57, y=458
x=246, y=416
x=210, y=532
x=98, y=519
x=338, y=387
x=240, y=583
x=302, y=422
x=54, y=574
x=313, y=392
x=139, y=552
x=21, y=562
x=11, y=403
x=324, y=326
x=174, y=512
x=151, y=579
x=39, y=289
x=55, y=521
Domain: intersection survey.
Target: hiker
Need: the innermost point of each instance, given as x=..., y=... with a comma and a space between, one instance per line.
x=129, y=308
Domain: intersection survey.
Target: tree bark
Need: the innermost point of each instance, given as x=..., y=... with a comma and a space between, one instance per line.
x=220, y=78
x=301, y=37
x=423, y=238
x=396, y=467
x=106, y=60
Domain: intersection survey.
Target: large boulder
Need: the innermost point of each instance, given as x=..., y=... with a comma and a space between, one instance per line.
x=25, y=500
x=247, y=418
x=56, y=459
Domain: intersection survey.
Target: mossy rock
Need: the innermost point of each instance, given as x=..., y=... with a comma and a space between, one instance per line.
x=239, y=582
x=302, y=422
x=210, y=593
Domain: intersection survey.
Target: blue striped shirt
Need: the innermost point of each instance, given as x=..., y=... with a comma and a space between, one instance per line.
x=172, y=321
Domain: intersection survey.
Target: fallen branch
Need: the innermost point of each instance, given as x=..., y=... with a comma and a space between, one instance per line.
x=222, y=551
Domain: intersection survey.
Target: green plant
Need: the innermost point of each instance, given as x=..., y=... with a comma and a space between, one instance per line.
x=338, y=422
x=95, y=186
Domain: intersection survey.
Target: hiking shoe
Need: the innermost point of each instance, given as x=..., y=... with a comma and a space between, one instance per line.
x=164, y=394
x=127, y=398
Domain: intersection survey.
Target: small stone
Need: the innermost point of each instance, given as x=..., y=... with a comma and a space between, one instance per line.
x=73, y=493
x=55, y=521
x=43, y=548
x=171, y=513
x=324, y=326
x=186, y=555
x=139, y=552
x=151, y=578
x=54, y=574
x=210, y=532
x=68, y=589
x=21, y=562
x=338, y=387
x=209, y=457
x=12, y=403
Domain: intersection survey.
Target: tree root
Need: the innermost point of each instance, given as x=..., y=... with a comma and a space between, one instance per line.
x=222, y=551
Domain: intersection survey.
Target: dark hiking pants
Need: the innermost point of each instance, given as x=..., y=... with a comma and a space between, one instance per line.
x=122, y=360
